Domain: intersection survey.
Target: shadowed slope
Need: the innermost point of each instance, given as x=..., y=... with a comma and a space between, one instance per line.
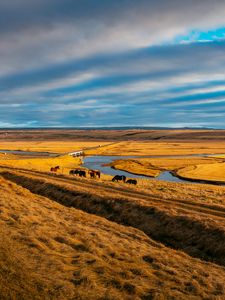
x=55, y=252
x=191, y=228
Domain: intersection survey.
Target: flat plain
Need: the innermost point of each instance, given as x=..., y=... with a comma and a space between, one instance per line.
x=66, y=237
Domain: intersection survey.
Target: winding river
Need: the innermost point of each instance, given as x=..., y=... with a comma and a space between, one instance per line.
x=98, y=162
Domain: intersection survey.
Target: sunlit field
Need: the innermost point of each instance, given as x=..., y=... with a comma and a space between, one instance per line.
x=65, y=162
x=160, y=148
x=59, y=146
x=54, y=252
x=212, y=172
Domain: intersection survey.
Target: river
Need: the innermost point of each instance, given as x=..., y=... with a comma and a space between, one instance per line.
x=98, y=163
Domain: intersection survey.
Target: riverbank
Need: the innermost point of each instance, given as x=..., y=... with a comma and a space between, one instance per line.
x=208, y=173
x=153, y=167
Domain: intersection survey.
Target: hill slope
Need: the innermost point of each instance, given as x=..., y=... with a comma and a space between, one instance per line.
x=49, y=251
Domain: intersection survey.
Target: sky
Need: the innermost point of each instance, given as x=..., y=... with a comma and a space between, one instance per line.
x=94, y=63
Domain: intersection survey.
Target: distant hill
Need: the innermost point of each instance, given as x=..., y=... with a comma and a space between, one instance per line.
x=111, y=134
x=108, y=128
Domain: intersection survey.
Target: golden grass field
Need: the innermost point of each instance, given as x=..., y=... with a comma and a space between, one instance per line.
x=153, y=166
x=159, y=148
x=64, y=237
x=214, y=172
x=50, y=146
x=70, y=254
x=66, y=163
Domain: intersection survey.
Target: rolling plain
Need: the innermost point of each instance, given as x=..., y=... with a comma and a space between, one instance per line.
x=66, y=237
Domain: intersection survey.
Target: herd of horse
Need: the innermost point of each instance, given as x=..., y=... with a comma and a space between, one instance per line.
x=124, y=179
x=83, y=173
x=95, y=174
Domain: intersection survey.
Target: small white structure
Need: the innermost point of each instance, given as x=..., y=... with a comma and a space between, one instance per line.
x=76, y=153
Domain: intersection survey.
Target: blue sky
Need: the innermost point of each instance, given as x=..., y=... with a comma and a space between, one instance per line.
x=112, y=63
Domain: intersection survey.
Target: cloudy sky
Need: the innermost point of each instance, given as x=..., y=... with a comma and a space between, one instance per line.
x=112, y=63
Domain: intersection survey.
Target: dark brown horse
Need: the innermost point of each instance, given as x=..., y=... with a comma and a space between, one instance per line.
x=94, y=173
x=79, y=172
x=132, y=181
x=55, y=169
x=119, y=178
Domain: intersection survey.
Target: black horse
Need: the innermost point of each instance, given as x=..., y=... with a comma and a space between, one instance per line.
x=74, y=172
x=119, y=178
x=132, y=181
x=81, y=173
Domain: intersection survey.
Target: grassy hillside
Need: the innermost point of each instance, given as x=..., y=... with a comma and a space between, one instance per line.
x=49, y=251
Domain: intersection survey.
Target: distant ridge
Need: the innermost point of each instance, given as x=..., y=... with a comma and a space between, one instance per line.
x=111, y=128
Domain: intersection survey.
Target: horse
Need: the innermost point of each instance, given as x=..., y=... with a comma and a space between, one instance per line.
x=94, y=173
x=55, y=169
x=119, y=178
x=81, y=173
x=132, y=181
x=74, y=172
x=98, y=173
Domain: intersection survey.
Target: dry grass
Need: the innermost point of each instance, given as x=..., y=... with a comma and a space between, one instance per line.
x=199, y=193
x=54, y=252
x=135, y=166
x=182, y=224
x=160, y=148
x=153, y=166
x=65, y=162
x=50, y=146
x=7, y=156
x=213, y=172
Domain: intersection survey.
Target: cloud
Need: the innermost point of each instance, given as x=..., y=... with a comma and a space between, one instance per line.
x=110, y=62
